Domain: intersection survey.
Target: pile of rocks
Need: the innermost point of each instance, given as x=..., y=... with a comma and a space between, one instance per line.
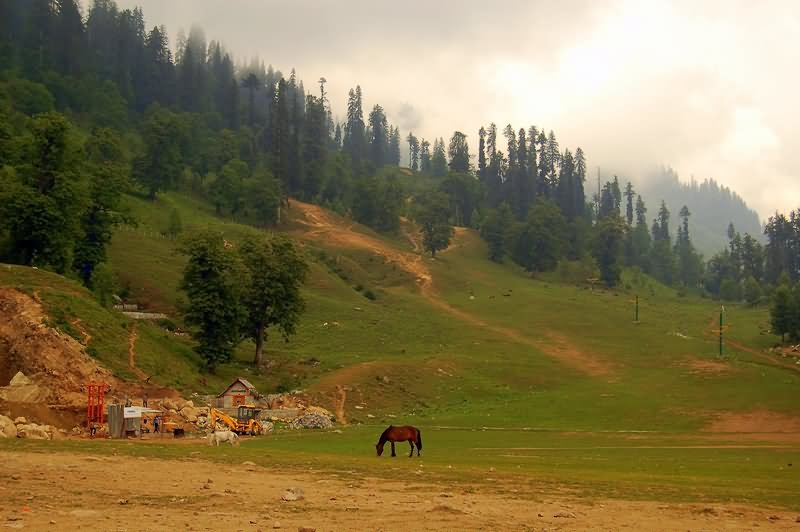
x=184, y=409
x=21, y=428
x=312, y=420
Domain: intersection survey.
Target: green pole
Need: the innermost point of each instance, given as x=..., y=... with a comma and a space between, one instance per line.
x=637, y=309
x=720, y=331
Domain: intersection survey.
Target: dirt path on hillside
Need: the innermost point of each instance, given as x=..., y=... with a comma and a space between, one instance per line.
x=712, y=331
x=86, y=336
x=69, y=492
x=132, y=337
x=325, y=227
x=551, y=343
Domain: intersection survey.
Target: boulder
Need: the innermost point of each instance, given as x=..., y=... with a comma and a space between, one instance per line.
x=33, y=432
x=269, y=427
x=20, y=380
x=293, y=494
x=20, y=421
x=7, y=428
x=169, y=404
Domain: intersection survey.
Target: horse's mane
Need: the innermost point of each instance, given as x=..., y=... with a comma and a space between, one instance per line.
x=385, y=433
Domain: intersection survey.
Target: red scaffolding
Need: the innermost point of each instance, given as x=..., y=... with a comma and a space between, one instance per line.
x=95, y=404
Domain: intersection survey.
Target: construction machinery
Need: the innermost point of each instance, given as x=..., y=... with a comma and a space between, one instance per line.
x=245, y=422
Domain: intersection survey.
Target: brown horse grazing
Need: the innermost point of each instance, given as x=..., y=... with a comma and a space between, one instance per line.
x=393, y=434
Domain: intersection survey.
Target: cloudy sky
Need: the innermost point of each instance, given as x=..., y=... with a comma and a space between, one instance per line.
x=708, y=87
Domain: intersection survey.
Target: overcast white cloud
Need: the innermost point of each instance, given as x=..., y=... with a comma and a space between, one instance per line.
x=708, y=87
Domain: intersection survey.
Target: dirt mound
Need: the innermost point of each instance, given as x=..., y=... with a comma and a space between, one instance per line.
x=764, y=421
x=54, y=366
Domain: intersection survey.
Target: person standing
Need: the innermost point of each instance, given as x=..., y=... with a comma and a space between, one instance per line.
x=157, y=424
x=144, y=399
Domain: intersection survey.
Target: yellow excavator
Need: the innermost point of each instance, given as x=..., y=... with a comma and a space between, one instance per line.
x=246, y=421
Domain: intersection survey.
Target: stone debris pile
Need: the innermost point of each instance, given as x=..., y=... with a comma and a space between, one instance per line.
x=21, y=428
x=312, y=420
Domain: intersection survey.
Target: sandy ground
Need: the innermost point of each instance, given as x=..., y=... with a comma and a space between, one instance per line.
x=115, y=493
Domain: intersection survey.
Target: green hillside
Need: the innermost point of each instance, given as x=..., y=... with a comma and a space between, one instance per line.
x=457, y=340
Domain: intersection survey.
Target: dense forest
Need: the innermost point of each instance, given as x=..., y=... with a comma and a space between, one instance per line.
x=94, y=106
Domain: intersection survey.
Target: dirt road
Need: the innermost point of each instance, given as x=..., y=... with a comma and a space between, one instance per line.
x=62, y=491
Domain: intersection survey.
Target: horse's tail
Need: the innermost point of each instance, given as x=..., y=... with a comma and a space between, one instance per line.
x=419, y=439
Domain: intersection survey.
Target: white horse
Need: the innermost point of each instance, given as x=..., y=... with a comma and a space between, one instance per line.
x=223, y=436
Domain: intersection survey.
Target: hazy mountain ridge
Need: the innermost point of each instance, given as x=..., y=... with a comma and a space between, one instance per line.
x=713, y=207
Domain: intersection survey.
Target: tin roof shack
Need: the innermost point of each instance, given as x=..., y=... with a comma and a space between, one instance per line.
x=124, y=421
x=239, y=392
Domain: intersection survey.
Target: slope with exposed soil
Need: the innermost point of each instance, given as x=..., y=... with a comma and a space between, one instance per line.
x=43, y=371
x=324, y=227
x=54, y=361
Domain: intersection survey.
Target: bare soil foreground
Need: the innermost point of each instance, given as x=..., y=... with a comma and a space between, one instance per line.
x=66, y=491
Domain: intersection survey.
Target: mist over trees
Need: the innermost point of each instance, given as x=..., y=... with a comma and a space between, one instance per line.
x=713, y=207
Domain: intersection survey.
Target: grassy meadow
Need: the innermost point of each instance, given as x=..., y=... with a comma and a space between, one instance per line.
x=543, y=381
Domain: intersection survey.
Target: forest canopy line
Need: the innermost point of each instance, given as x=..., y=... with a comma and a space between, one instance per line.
x=96, y=105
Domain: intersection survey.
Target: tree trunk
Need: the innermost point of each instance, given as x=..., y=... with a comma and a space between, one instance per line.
x=259, y=360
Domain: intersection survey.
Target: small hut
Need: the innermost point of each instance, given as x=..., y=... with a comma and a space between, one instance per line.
x=239, y=392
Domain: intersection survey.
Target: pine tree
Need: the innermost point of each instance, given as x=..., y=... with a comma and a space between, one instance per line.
x=394, y=146
x=70, y=38
x=482, y=155
x=439, y=159
x=459, y=153
x=689, y=263
x=641, y=237
x=315, y=146
x=413, y=151
x=580, y=178
x=511, y=185
x=545, y=163
x=493, y=181
x=553, y=160
x=379, y=139
x=425, y=157
x=280, y=127
x=354, y=139
x=662, y=259
x=629, y=193
x=565, y=189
